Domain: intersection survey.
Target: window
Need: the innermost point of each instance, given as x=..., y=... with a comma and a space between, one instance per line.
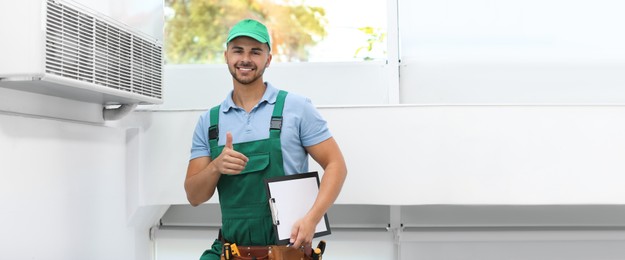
x=312, y=30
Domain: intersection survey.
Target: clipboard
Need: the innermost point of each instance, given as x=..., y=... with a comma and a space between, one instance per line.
x=290, y=198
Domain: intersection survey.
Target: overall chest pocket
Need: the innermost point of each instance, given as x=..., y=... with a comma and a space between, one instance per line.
x=257, y=162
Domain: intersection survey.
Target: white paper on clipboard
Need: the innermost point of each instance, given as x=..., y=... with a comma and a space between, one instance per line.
x=290, y=198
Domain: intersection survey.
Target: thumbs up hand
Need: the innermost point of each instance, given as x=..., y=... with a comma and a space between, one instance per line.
x=230, y=161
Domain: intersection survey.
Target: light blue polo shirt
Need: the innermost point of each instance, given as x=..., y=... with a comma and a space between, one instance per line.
x=302, y=126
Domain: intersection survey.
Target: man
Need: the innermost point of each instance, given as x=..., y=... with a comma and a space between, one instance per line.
x=256, y=133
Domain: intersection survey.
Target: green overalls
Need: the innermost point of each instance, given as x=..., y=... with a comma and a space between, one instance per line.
x=246, y=218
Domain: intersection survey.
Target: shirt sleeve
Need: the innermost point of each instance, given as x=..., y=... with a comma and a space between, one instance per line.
x=313, y=128
x=199, y=144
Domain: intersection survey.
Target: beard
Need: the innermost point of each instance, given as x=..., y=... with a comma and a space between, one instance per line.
x=245, y=80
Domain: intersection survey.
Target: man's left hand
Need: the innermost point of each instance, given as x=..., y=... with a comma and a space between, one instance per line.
x=302, y=233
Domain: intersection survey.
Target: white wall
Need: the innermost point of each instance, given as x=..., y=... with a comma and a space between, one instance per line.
x=63, y=193
x=480, y=244
x=209, y=84
x=414, y=155
x=463, y=232
x=513, y=244
x=511, y=52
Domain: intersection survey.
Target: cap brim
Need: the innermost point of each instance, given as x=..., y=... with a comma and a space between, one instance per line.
x=248, y=34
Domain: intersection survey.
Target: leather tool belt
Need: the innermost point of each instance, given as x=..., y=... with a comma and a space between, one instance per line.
x=272, y=252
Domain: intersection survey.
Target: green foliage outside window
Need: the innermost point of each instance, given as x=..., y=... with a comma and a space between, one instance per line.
x=196, y=30
x=375, y=37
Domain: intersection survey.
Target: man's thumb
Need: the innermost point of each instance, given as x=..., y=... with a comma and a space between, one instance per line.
x=229, y=140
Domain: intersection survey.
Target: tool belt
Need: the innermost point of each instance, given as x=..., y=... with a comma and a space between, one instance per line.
x=272, y=252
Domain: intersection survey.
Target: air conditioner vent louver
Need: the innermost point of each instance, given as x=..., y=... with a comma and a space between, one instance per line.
x=86, y=48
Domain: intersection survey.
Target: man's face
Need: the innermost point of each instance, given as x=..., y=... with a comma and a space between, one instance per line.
x=247, y=59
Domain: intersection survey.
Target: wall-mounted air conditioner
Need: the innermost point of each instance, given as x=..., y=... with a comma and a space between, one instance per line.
x=62, y=49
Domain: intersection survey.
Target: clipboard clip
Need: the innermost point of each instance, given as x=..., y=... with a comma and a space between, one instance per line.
x=274, y=211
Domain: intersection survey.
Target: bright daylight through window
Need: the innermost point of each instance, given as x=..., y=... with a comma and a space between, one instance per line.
x=301, y=30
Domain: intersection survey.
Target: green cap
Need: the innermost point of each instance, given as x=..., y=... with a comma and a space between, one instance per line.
x=250, y=28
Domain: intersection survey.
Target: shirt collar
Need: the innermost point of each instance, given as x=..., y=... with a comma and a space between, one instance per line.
x=270, y=96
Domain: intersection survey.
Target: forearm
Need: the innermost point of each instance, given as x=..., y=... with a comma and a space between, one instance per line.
x=200, y=186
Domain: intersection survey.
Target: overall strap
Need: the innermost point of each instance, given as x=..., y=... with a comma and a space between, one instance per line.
x=213, y=130
x=276, y=117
